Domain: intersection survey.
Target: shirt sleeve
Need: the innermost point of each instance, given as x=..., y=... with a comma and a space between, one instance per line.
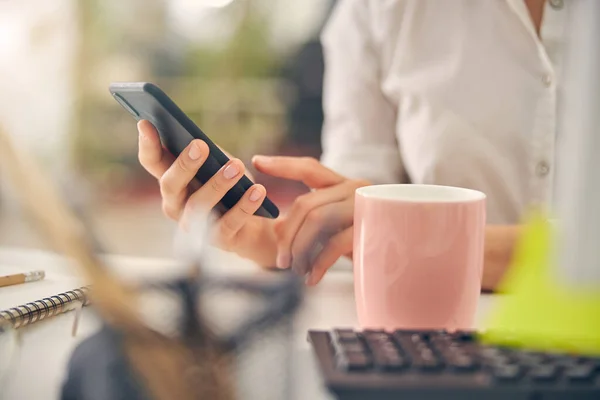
x=359, y=139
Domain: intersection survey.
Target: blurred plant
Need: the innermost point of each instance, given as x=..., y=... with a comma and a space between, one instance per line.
x=117, y=41
x=246, y=55
x=231, y=90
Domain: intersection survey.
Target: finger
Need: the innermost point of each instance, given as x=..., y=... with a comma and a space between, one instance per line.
x=234, y=220
x=289, y=226
x=150, y=152
x=174, y=184
x=316, y=230
x=338, y=246
x=304, y=169
x=211, y=193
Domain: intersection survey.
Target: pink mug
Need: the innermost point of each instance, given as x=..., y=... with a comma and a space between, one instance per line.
x=418, y=256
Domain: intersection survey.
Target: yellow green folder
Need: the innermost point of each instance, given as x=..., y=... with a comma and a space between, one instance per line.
x=540, y=311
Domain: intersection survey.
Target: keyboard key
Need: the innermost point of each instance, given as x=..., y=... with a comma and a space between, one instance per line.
x=425, y=360
x=594, y=362
x=353, y=361
x=491, y=352
x=421, y=348
x=389, y=352
x=345, y=335
x=375, y=339
x=532, y=358
x=352, y=347
x=376, y=335
x=498, y=361
x=417, y=338
x=497, y=356
x=564, y=360
x=544, y=373
x=580, y=373
x=417, y=335
x=462, y=363
x=390, y=363
x=508, y=372
x=426, y=353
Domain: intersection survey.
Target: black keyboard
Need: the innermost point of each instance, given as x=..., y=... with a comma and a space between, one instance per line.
x=428, y=365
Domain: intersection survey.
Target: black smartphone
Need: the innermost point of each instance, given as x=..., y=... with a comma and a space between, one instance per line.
x=146, y=101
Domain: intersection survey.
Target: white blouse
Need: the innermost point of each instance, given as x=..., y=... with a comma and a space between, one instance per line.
x=456, y=92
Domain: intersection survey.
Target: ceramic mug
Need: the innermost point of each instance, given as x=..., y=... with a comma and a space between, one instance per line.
x=418, y=256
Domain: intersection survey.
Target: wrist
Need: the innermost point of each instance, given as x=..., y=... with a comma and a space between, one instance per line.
x=263, y=248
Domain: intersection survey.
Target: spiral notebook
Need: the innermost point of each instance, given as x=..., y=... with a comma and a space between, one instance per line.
x=46, y=307
x=61, y=291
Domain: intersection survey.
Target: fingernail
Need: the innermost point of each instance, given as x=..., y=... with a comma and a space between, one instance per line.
x=142, y=135
x=231, y=171
x=283, y=260
x=194, y=152
x=310, y=280
x=255, y=195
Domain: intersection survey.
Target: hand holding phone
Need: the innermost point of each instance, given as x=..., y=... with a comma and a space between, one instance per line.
x=145, y=101
x=177, y=160
x=237, y=230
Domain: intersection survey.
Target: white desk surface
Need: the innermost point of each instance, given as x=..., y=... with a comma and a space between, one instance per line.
x=46, y=346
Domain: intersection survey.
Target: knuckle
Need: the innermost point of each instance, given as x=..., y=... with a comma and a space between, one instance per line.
x=225, y=229
x=181, y=165
x=315, y=217
x=216, y=185
x=166, y=185
x=302, y=204
x=195, y=206
x=244, y=209
x=218, y=237
x=279, y=228
x=146, y=160
x=148, y=156
x=169, y=211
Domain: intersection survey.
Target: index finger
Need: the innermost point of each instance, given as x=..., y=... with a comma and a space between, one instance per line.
x=304, y=169
x=150, y=153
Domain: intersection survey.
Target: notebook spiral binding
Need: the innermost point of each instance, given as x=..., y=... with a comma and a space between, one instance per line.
x=45, y=308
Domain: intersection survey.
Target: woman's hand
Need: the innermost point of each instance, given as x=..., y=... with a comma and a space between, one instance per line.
x=318, y=229
x=238, y=230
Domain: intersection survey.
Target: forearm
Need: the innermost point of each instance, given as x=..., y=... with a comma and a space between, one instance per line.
x=500, y=241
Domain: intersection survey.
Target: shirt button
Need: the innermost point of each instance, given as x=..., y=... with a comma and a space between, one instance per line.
x=542, y=169
x=547, y=80
x=557, y=4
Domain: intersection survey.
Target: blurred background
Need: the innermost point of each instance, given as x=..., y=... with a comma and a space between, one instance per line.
x=248, y=72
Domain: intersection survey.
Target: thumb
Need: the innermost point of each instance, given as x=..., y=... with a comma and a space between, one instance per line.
x=303, y=169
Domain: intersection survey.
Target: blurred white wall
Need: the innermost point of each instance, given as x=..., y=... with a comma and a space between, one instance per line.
x=37, y=47
x=292, y=21
x=295, y=21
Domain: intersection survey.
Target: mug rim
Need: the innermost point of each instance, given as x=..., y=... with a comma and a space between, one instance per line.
x=454, y=194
